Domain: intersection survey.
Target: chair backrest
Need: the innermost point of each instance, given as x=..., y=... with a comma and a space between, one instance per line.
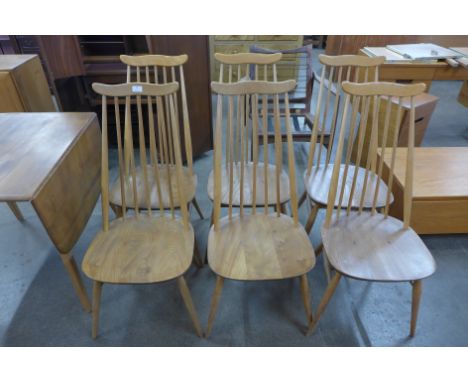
x=295, y=64
x=335, y=70
x=240, y=97
x=358, y=97
x=160, y=69
x=247, y=66
x=166, y=122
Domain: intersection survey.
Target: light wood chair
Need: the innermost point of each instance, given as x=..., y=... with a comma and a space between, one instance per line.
x=255, y=244
x=237, y=68
x=160, y=69
x=317, y=176
x=145, y=247
x=367, y=244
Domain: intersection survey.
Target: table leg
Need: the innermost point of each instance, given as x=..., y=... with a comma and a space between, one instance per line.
x=77, y=282
x=15, y=209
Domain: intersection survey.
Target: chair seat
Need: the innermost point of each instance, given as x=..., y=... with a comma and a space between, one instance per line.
x=318, y=186
x=259, y=247
x=248, y=185
x=165, y=172
x=138, y=250
x=376, y=248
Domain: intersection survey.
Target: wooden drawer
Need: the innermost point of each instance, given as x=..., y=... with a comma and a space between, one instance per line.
x=279, y=38
x=234, y=38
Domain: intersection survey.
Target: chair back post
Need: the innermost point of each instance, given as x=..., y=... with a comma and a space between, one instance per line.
x=245, y=170
x=129, y=178
x=335, y=70
x=361, y=95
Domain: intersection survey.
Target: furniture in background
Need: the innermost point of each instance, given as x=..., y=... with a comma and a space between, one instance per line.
x=463, y=95
x=326, y=127
x=254, y=244
x=159, y=69
x=60, y=179
x=240, y=149
x=147, y=246
x=424, y=105
x=23, y=87
x=233, y=44
x=295, y=64
x=440, y=190
x=368, y=244
x=72, y=63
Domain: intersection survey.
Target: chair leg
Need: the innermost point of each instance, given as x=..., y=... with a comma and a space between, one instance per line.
x=311, y=219
x=319, y=249
x=16, y=211
x=417, y=289
x=197, y=207
x=326, y=266
x=77, y=282
x=97, y=290
x=118, y=210
x=214, y=304
x=302, y=199
x=306, y=298
x=185, y=292
x=325, y=300
x=196, y=256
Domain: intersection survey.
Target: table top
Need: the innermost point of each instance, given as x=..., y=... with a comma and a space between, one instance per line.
x=31, y=146
x=11, y=61
x=440, y=173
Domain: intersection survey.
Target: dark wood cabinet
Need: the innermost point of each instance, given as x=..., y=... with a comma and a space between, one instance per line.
x=73, y=63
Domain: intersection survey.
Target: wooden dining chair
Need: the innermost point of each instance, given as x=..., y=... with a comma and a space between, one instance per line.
x=145, y=246
x=255, y=244
x=237, y=68
x=366, y=244
x=295, y=64
x=317, y=177
x=160, y=69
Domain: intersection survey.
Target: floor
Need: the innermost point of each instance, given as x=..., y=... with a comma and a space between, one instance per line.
x=38, y=306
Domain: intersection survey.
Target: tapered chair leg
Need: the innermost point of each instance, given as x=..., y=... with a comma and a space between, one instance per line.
x=417, y=289
x=306, y=298
x=302, y=199
x=196, y=256
x=197, y=207
x=325, y=300
x=326, y=267
x=311, y=219
x=214, y=304
x=77, y=282
x=16, y=211
x=185, y=292
x=97, y=291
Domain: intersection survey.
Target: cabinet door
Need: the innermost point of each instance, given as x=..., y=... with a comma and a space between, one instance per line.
x=10, y=100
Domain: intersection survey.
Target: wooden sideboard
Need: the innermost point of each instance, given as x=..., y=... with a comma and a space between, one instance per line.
x=23, y=85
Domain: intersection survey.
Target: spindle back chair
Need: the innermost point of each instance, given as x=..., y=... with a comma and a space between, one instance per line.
x=255, y=244
x=159, y=69
x=241, y=143
x=142, y=246
x=326, y=127
x=368, y=244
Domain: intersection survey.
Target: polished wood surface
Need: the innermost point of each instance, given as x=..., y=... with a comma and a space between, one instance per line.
x=440, y=193
x=372, y=247
x=259, y=247
x=369, y=244
x=248, y=183
x=52, y=160
x=142, y=250
x=254, y=244
x=149, y=246
x=26, y=89
x=35, y=144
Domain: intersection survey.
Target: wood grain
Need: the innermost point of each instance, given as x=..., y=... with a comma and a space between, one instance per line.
x=388, y=253
x=259, y=247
